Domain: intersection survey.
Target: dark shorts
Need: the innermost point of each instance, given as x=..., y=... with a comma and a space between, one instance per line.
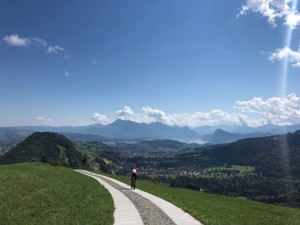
x=133, y=176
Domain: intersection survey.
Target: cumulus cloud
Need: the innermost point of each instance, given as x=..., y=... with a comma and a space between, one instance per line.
x=286, y=53
x=286, y=11
x=273, y=10
x=15, y=40
x=293, y=20
x=125, y=114
x=54, y=49
x=255, y=112
x=275, y=110
x=100, y=118
x=157, y=115
x=212, y=118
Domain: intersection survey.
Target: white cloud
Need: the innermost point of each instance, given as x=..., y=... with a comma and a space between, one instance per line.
x=292, y=20
x=126, y=113
x=39, y=42
x=214, y=117
x=157, y=115
x=15, y=40
x=100, y=118
x=55, y=49
x=275, y=110
x=274, y=10
x=255, y=112
x=41, y=118
x=286, y=10
x=266, y=8
x=292, y=56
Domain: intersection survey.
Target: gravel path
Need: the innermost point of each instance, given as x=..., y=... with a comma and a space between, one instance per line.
x=150, y=213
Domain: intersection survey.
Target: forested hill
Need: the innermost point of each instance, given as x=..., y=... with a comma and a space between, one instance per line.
x=276, y=156
x=45, y=147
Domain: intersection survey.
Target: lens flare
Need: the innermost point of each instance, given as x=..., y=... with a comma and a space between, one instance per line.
x=285, y=64
x=285, y=156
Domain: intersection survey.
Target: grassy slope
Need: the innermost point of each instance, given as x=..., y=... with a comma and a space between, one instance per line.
x=221, y=210
x=41, y=194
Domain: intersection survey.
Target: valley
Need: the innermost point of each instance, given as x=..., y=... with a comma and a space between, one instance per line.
x=259, y=168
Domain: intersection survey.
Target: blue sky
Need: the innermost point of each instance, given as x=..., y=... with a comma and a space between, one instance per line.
x=186, y=63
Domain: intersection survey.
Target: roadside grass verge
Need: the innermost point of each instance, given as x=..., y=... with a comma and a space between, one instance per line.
x=213, y=209
x=32, y=193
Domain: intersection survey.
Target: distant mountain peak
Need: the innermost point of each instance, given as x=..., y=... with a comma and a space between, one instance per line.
x=221, y=136
x=157, y=130
x=220, y=131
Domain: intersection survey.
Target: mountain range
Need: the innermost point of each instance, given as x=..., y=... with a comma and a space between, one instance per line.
x=221, y=136
x=269, y=128
x=125, y=130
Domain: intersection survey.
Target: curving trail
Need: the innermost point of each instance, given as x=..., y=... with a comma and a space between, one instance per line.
x=138, y=207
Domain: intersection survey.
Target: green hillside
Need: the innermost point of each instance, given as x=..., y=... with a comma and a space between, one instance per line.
x=274, y=156
x=99, y=156
x=274, y=177
x=213, y=209
x=40, y=194
x=45, y=147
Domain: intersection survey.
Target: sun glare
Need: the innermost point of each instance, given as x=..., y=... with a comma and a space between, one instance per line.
x=285, y=157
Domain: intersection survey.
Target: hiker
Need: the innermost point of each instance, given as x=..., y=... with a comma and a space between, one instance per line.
x=133, y=177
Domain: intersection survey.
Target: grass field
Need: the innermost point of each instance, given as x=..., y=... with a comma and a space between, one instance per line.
x=242, y=169
x=221, y=210
x=41, y=194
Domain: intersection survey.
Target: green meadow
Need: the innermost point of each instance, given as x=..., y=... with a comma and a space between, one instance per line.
x=32, y=193
x=241, y=169
x=213, y=209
